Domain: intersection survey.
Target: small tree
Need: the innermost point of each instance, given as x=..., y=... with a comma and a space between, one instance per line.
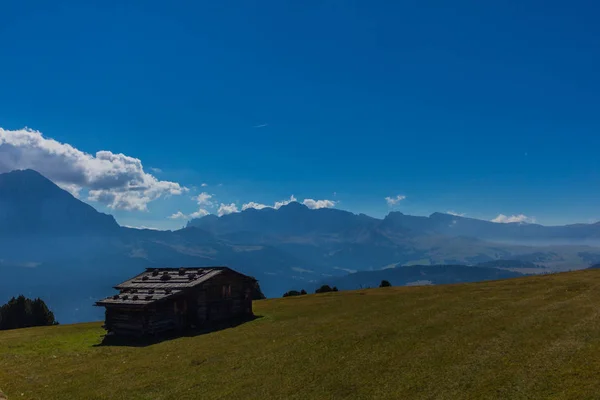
x=303, y=291
x=257, y=293
x=385, y=283
x=291, y=293
x=334, y=289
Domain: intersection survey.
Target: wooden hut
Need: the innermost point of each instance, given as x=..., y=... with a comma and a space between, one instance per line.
x=163, y=299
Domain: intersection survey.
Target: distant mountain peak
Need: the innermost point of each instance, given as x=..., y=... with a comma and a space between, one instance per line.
x=26, y=176
x=294, y=205
x=441, y=214
x=30, y=203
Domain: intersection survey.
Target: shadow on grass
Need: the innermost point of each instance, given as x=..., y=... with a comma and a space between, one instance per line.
x=149, y=340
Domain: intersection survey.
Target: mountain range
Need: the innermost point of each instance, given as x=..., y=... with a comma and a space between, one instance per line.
x=57, y=247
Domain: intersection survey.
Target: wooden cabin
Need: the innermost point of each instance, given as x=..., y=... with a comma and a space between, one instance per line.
x=163, y=299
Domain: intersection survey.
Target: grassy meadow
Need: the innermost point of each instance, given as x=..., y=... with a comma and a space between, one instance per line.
x=527, y=338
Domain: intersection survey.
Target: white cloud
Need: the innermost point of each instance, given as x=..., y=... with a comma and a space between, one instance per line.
x=204, y=199
x=156, y=170
x=456, y=214
x=225, y=209
x=279, y=204
x=117, y=180
x=391, y=201
x=143, y=227
x=204, y=185
x=316, y=204
x=261, y=125
x=179, y=215
x=501, y=218
x=254, y=205
x=310, y=203
x=198, y=214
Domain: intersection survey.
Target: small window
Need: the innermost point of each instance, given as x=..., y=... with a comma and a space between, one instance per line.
x=229, y=291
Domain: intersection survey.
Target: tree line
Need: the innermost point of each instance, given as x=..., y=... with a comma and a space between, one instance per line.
x=21, y=312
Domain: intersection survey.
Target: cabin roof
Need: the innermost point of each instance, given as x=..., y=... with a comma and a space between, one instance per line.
x=156, y=284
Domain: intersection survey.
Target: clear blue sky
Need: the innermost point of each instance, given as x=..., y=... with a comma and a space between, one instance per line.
x=480, y=107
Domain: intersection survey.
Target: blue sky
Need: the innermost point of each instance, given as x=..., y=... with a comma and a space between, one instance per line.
x=479, y=108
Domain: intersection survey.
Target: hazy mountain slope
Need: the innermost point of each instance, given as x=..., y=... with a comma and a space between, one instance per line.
x=419, y=275
x=292, y=220
x=451, y=225
x=31, y=204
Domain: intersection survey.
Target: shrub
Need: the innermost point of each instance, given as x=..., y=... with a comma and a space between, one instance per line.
x=324, y=289
x=303, y=291
x=385, y=283
x=291, y=293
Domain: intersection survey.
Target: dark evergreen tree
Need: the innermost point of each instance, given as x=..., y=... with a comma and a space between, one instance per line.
x=22, y=312
x=385, y=283
x=42, y=315
x=303, y=291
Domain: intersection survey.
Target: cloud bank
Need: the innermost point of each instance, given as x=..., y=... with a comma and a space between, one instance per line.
x=310, y=203
x=225, y=209
x=503, y=219
x=252, y=204
x=316, y=204
x=117, y=180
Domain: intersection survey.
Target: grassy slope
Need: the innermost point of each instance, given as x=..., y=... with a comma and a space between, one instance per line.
x=535, y=337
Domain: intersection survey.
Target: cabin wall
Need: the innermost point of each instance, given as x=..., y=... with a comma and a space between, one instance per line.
x=124, y=321
x=227, y=297
x=163, y=317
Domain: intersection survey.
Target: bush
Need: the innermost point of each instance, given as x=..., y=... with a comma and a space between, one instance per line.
x=22, y=312
x=326, y=288
x=294, y=293
x=385, y=283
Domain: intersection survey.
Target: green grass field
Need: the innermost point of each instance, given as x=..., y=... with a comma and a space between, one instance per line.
x=535, y=337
